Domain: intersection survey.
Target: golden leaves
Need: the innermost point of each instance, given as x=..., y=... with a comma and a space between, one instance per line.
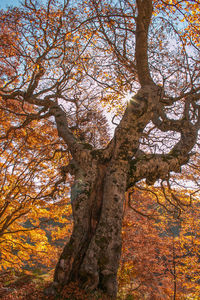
x=29, y=165
x=187, y=12
x=155, y=242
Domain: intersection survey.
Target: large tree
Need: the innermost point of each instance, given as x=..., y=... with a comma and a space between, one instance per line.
x=66, y=61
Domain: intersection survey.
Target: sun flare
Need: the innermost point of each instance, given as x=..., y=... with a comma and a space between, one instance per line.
x=128, y=97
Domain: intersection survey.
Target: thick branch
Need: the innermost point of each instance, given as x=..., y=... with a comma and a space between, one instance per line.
x=194, y=93
x=158, y=166
x=54, y=109
x=154, y=167
x=63, y=129
x=137, y=115
x=184, y=126
x=81, y=152
x=141, y=52
x=165, y=124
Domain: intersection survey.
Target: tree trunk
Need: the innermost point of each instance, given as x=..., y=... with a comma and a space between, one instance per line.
x=92, y=255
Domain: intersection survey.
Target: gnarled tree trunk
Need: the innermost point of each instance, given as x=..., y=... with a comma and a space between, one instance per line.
x=101, y=176
x=92, y=255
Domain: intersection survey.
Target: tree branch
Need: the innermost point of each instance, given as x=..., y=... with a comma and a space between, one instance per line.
x=143, y=20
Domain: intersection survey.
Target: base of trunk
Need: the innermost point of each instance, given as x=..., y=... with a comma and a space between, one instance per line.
x=91, y=258
x=94, y=269
x=73, y=291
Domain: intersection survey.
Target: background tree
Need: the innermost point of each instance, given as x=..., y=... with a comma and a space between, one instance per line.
x=31, y=189
x=160, y=253
x=62, y=77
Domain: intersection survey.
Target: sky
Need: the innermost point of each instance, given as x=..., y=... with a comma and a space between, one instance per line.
x=5, y=3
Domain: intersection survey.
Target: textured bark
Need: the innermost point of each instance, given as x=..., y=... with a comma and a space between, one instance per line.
x=92, y=255
x=143, y=20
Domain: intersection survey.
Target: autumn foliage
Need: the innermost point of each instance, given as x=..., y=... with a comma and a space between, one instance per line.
x=63, y=60
x=160, y=257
